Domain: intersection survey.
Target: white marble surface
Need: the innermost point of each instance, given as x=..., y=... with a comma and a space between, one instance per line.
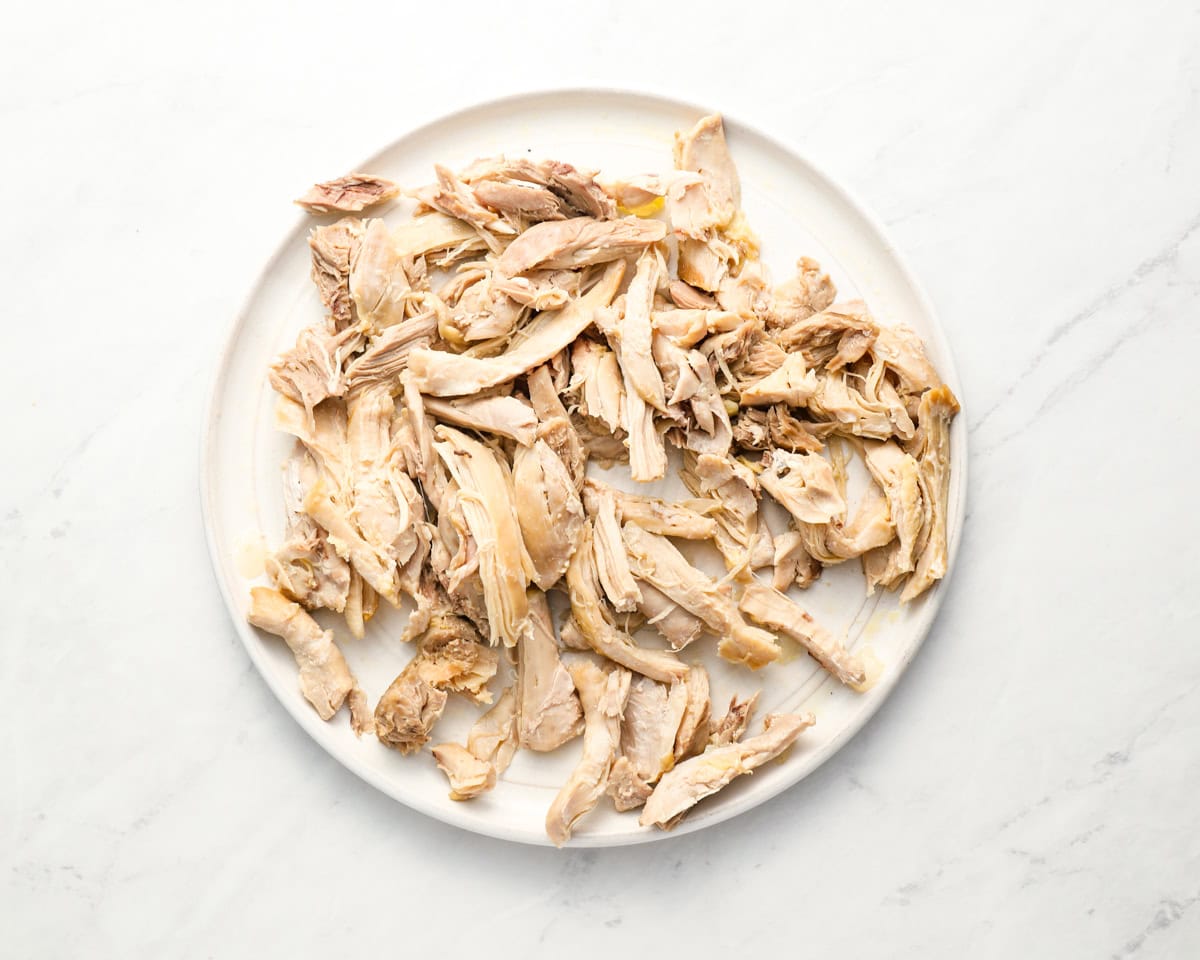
x=1030, y=789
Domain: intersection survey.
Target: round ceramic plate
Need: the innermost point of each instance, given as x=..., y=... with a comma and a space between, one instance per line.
x=796, y=210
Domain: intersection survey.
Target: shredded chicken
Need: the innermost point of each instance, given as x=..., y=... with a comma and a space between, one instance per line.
x=578, y=242
x=689, y=520
x=333, y=250
x=548, y=511
x=731, y=727
x=549, y=709
x=349, y=194
x=468, y=775
x=772, y=609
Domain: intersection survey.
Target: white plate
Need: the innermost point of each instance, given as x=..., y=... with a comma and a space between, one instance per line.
x=796, y=210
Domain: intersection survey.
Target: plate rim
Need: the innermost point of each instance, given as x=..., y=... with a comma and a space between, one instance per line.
x=313, y=726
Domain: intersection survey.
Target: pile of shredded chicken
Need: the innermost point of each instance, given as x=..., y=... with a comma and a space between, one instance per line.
x=531, y=318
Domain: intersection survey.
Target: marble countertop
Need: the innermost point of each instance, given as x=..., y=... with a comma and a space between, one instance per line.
x=1031, y=787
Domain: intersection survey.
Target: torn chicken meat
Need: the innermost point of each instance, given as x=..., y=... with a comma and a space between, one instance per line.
x=772, y=609
x=349, y=194
x=549, y=709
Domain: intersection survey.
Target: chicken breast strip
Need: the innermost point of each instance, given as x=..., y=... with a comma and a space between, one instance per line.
x=444, y=374
x=772, y=609
x=550, y=714
x=938, y=408
x=693, y=780
x=612, y=562
x=548, y=511
x=603, y=694
x=578, y=242
x=503, y=416
x=486, y=497
x=325, y=679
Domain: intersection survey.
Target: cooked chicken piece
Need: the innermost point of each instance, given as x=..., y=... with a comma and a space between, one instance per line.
x=306, y=568
x=649, y=726
x=386, y=357
x=732, y=727
x=454, y=557
x=612, y=563
x=735, y=493
x=540, y=289
x=482, y=313
x=576, y=188
x=704, y=264
x=745, y=293
x=627, y=789
x=548, y=511
x=503, y=416
x=688, y=520
x=789, y=433
x=692, y=737
x=549, y=709
x=493, y=737
x=674, y=624
x=452, y=197
x=378, y=281
x=687, y=297
x=519, y=201
x=761, y=359
x=750, y=430
x=361, y=604
x=325, y=679
x=453, y=658
x=408, y=709
x=790, y=384
x=904, y=354
x=555, y=426
x=693, y=780
x=879, y=395
x=571, y=636
x=869, y=528
x=899, y=476
x=686, y=328
x=333, y=250
x=578, y=242
x=603, y=693
x=434, y=233
x=647, y=453
x=837, y=336
x=809, y=291
x=446, y=374
x=642, y=194
x=468, y=775
x=487, y=504
x=597, y=629
x=349, y=194
x=772, y=609
x=793, y=564
x=938, y=407
x=803, y=484
x=707, y=429
x=631, y=339
x=312, y=370
x=596, y=381
x=697, y=208
x=656, y=560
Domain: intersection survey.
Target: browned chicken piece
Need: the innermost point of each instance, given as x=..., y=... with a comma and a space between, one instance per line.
x=693, y=780
x=519, y=201
x=734, y=490
x=803, y=484
x=445, y=374
x=698, y=208
x=468, y=775
x=502, y=416
x=772, y=609
x=306, y=568
x=837, y=336
x=904, y=354
x=793, y=564
x=899, y=476
x=938, y=408
x=349, y=194
x=578, y=242
x=487, y=504
x=599, y=632
x=608, y=549
x=548, y=511
x=379, y=283
x=550, y=714
x=656, y=560
x=692, y=737
x=648, y=729
x=791, y=384
x=687, y=297
x=688, y=520
x=673, y=623
x=435, y=233
x=325, y=679
x=809, y=291
x=407, y=711
x=603, y=694
x=312, y=370
x=333, y=250
x=386, y=356
x=554, y=423
x=732, y=727
x=596, y=382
